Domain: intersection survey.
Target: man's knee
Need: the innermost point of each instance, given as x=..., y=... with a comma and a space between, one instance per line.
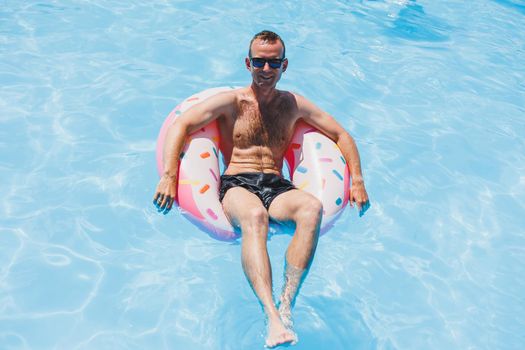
x=255, y=218
x=310, y=212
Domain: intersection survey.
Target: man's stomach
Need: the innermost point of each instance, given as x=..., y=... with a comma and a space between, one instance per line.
x=254, y=160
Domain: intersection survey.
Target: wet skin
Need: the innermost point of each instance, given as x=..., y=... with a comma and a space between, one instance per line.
x=256, y=124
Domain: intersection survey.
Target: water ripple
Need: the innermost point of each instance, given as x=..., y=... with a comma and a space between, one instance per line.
x=432, y=92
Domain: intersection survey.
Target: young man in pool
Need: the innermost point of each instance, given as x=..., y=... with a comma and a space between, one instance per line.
x=256, y=124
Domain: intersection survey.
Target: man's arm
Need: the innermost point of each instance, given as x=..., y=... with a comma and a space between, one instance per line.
x=190, y=121
x=323, y=121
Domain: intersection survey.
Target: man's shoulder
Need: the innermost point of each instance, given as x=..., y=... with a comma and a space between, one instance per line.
x=240, y=94
x=223, y=98
x=291, y=94
x=286, y=95
x=298, y=99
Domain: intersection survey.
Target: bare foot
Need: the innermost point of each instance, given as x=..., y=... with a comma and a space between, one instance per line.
x=278, y=334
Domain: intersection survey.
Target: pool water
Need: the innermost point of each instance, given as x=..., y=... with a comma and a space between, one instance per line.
x=432, y=91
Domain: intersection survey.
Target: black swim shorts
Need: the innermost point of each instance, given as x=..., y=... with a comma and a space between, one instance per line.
x=264, y=186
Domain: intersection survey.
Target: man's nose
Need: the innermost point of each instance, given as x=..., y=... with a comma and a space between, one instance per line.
x=267, y=66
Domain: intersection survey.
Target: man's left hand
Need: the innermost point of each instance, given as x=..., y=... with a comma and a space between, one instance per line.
x=359, y=197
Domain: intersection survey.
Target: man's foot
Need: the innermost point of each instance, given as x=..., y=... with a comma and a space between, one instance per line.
x=278, y=334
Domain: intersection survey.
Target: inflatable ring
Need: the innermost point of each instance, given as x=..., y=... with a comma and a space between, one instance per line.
x=315, y=163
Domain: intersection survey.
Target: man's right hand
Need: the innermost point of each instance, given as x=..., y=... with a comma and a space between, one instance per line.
x=165, y=193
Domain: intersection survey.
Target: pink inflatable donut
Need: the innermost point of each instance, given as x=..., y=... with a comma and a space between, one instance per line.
x=315, y=162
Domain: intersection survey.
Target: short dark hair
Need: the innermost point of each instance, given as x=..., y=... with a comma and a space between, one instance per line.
x=266, y=35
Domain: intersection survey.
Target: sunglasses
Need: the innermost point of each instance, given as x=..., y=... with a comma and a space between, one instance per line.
x=272, y=62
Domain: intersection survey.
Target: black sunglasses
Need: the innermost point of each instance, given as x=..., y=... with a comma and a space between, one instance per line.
x=274, y=63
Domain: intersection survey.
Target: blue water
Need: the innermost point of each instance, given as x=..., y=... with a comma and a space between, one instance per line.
x=433, y=92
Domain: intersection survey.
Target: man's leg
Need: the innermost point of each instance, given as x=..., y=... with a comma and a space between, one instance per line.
x=245, y=210
x=306, y=211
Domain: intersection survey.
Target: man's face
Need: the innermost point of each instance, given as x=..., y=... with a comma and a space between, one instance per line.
x=266, y=76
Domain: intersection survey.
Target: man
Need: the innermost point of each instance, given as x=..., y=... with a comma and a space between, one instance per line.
x=256, y=124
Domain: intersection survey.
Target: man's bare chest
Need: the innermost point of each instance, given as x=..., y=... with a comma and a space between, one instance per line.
x=271, y=129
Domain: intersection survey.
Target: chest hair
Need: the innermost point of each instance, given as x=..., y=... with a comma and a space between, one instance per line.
x=270, y=126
